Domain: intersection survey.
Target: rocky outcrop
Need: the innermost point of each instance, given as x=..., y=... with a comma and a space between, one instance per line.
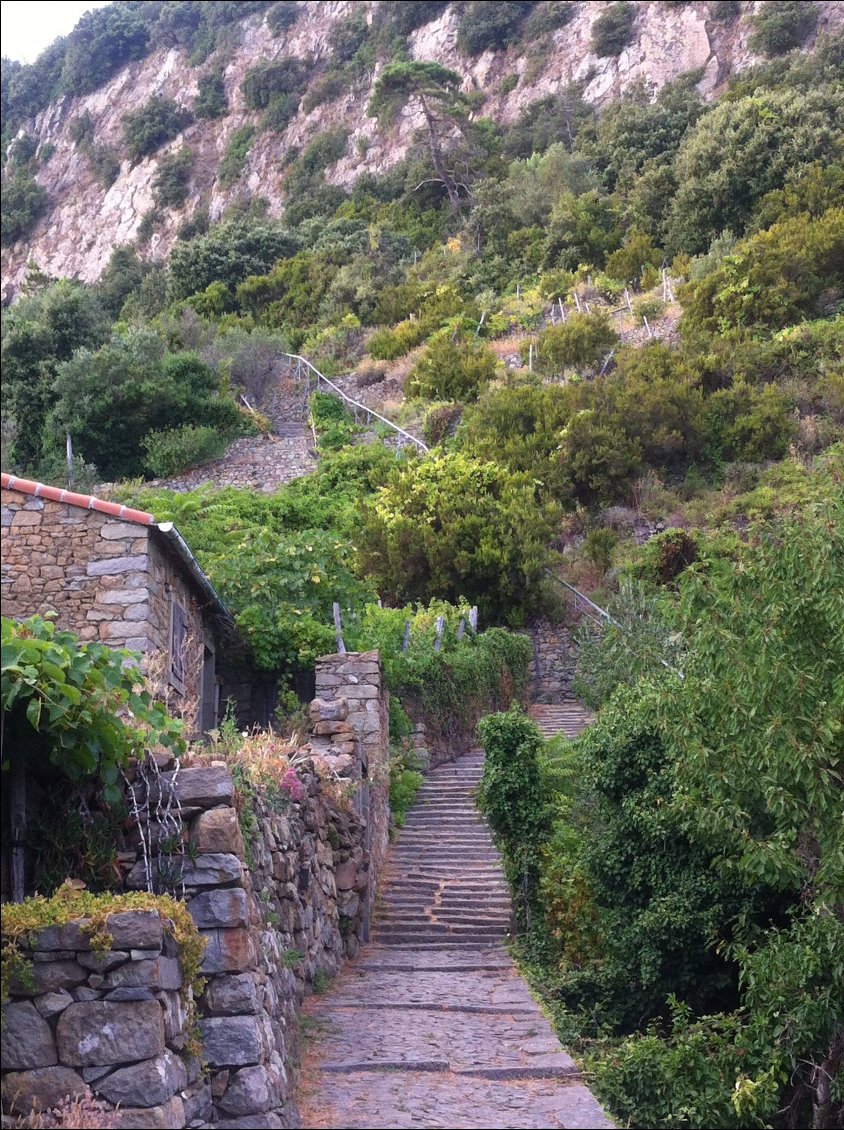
x=77, y=233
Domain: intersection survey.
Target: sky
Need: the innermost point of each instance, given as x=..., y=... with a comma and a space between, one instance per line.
x=28, y=26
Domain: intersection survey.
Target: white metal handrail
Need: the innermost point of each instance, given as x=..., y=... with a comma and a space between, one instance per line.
x=370, y=413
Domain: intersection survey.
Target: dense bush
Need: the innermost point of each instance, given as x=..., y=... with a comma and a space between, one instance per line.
x=158, y=121
x=455, y=527
x=449, y=370
x=779, y=27
x=583, y=340
x=282, y=15
x=281, y=76
x=211, y=101
x=172, y=178
x=484, y=26
x=234, y=158
x=612, y=29
x=23, y=202
x=228, y=253
x=174, y=450
x=111, y=399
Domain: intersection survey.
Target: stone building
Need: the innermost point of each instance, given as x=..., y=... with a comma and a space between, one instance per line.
x=115, y=574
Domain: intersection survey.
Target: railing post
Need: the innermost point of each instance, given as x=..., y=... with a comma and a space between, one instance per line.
x=338, y=628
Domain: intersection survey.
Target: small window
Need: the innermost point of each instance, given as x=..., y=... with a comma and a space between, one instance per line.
x=178, y=646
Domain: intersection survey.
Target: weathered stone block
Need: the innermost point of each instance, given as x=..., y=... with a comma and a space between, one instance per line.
x=102, y=962
x=217, y=830
x=25, y=1092
x=114, y=565
x=136, y=930
x=95, y=1033
x=51, y=1004
x=212, y=870
x=111, y=531
x=344, y=876
x=224, y=908
x=322, y=728
x=250, y=1091
x=51, y=976
x=231, y=1041
x=197, y=1103
x=148, y=1083
x=233, y=995
x=26, y=1041
x=158, y=973
x=328, y=710
x=203, y=785
x=228, y=951
x=167, y=1116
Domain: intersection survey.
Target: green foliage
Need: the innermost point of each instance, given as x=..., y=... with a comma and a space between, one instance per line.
x=612, y=30
x=111, y=399
x=229, y=253
x=582, y=229
x=779, y=27
x=23, y=202
x=174, y=450
x=453, y=370
x=454, y=526
x=725, y=11
x=282, y=15
x=489, y=26
x=512, y=798
x=267, y=80
x=331, y=421
x=405, y=782
x=39, y=333
x=158, y=121
x=629, y=261
x=744, y=148
x=234, y=158
x=172, y=179
x=211, y=101
x=584, y=339
x=68, y=702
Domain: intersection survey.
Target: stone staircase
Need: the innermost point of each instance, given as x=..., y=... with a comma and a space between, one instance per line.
x=569, y=718
x=444, y=884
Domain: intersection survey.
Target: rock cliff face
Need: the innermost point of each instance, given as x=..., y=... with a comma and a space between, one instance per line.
x=84, y=222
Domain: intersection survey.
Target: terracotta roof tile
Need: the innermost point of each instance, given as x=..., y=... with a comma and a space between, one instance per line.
x=70, y=498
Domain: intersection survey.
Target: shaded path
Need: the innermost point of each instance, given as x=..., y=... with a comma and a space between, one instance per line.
x=432, y=1025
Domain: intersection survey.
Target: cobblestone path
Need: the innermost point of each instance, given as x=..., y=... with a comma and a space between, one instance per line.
x=431, y=1025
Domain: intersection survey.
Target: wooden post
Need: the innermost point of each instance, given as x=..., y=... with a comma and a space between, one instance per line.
x=473, y=618
x=405, y=643
x=518, y=292
x=461, y=627
x=438, y=642
x=69, y=450
x=586, y=304
x=647, y=326
x=530, y=357
x=629, y=303
x=577, y=302
x=562, y=310
x=664, y=285
x=338, y=628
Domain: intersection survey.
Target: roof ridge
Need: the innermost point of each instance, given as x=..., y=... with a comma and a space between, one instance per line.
x=71, y=498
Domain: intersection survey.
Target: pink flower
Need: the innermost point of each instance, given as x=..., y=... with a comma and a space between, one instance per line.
x=293, y=786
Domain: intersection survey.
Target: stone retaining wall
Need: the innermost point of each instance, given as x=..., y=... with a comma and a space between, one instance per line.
x=111, y=1025
x=554, y=661
x=278, y=908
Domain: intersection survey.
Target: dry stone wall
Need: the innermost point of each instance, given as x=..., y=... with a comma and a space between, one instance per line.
x=111, y=1026
x=554, y=661
x=279, y=883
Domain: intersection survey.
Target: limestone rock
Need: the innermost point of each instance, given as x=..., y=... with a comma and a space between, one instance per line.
x=231, y=995
x=250, y=1091
x=51, y=1004
x=228, y=951
x=167, y=1116
x=224, y=908
x=203, y=785
x=95, y=1033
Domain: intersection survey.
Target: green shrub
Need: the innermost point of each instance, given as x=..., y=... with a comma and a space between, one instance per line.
x=547, y=16
x=441, y=421
x=229, y=253
x=582, y=340
x=23, y=202
x=627, y=263
x=405, y=783
x=782, y=26
x=158, y=121
x=725, y=11
x=599, y=547
x=282, y=15
x=612, y=30
x=513, y=799
x=104, y=163
x=280, y=112
x=177, y=449
x=324, y=149
x=456, y=527
x=211, y=101
x=234, y=158
x=388, y=344
x=484, y=26
x=748, y=425
x=172, y=179
x=449, y=370
x=281, y=76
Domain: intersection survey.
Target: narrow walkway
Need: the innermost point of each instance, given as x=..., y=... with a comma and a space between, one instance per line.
x=432, y=1025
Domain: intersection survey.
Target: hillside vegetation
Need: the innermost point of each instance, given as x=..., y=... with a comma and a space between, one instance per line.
x=621, y=333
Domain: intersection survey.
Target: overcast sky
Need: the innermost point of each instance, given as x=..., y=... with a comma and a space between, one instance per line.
x=28, y=26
